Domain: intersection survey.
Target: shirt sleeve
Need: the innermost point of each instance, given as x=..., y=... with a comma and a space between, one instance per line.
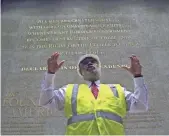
x=137, y=101
x=50, y=97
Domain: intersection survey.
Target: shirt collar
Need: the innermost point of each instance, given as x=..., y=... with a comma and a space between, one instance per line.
x=89, y=83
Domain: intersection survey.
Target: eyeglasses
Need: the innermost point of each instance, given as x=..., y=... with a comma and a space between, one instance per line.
x=87, y=60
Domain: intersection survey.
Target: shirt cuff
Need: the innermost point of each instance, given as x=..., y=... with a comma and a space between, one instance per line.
x=49, y=78
x=139, y=81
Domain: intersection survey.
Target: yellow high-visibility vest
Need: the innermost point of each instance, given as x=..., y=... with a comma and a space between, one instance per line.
x=89, y=116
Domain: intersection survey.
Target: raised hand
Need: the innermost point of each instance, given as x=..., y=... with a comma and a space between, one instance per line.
x=53, y=64
x=135, y=68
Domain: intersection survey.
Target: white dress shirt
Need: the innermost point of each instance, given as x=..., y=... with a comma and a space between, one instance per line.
x=54, y=98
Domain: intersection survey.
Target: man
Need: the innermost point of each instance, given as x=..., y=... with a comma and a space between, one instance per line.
x=93, y=108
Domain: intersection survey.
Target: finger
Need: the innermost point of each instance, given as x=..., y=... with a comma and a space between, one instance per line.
x=132, y=60
x=56, y=55
x=126, y=68
x=135, y=58
x=52, y=57
x=61, y=63
x=140, y=66
x=133, y=55
x=49, y=59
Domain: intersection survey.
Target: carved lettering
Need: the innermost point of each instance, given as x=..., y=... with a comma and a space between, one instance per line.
x=73, y=26
x=29, y=69
x=41, y=21
x=43, y=68
x=104, y=37
x=11, y=94
x=27, y=101
x=74, y=67
x=77, y=45
x=28, y=112
x=49, y=112
x=77, y=32
x=22, y=112
x=13, y=102
x=48, y=33
x=14, y=114
x=64, y=67
x=125, y=37
x=35, y=27
x=21, y=103
x=92, y=45
x=5, y=101
x=37, y=39
x=104, y=66
x=41, y=112
x=93, y=19
x=40, y=46
x=32, y=101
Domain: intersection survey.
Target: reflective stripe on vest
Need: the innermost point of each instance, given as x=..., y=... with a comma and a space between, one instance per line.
x=74, y=99
x=114, y=90
x=81, y=117
x=85, y=117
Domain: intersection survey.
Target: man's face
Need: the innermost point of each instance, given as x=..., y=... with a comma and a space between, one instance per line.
x=90, y=69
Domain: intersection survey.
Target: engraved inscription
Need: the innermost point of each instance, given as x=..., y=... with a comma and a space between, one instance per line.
x=70, y=67
x=107, y=30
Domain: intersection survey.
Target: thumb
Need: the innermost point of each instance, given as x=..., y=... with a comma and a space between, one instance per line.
x=126, y=68
x=61, y=63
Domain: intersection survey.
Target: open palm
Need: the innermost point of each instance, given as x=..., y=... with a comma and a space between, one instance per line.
x=135, y=68
x=53, y=64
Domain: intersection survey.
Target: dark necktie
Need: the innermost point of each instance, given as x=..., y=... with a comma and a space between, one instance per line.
x=94, y=89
